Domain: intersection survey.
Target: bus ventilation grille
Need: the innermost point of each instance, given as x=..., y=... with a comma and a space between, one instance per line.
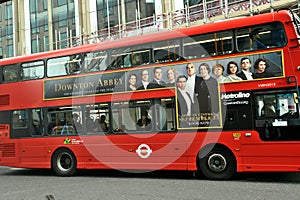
x=8, y=150
x=4, y=100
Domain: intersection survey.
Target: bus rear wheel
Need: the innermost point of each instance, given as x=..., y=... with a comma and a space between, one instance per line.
x=217, y=163
x=64, y=162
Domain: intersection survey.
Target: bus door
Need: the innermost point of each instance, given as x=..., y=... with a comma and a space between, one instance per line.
x=276, y=117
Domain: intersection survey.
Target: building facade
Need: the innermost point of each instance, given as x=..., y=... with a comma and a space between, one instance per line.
x=31, y=26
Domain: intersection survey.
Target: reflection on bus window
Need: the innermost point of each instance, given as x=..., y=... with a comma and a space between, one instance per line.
x=10, y=73
x=166, y=114
x=64, y=66
x=129, y=57
x=20, y=119
x=261, y=37
x=212, y=44
x=32, y=70
x=133, y=116
x=64, y=120
x=277, y=105
x=37, y=117
x=97, y=118
x=166, y=51
x=95, y=61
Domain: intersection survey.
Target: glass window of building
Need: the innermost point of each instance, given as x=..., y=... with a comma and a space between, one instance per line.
x=46, y=43
x=35, y=45
x=63, y=18
x=0, y=14
x=9, y=51
x=9, y=31
x=8, y=11
x=38, y=25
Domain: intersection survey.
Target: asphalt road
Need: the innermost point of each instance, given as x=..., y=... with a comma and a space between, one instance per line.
x=24, y=184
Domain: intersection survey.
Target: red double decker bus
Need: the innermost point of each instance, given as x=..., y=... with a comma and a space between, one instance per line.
x=218, y=98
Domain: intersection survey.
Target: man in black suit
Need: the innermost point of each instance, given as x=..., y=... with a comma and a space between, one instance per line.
x=183, y=97
x=145, y=80
x=157, y=81
x=246, y=73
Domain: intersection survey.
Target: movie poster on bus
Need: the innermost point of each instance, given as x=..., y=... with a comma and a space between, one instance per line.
x=84, y=85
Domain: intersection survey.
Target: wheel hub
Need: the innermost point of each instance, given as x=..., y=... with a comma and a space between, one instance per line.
x=217, y=163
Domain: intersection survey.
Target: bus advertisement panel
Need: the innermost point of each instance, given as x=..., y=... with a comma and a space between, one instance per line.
x=197, y=83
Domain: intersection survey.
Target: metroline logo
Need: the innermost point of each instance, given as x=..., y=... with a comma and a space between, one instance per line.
x=235, y=96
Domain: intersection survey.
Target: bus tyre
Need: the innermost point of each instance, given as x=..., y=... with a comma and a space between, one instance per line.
x=64, y=162
x=217, y=163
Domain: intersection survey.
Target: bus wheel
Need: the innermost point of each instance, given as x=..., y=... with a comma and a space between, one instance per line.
x=217, y=163
x=64, y=162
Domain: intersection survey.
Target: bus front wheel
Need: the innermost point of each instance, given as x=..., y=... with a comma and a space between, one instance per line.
x=64, y=162
x=217, y=163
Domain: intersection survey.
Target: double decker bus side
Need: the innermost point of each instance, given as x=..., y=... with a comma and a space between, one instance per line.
x=85, y=107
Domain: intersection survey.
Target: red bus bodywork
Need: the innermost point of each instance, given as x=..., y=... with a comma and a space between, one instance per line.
x=178, y=150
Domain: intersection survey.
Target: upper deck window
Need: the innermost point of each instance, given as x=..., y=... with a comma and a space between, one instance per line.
x=10, y=73
x=32, y=70
x=64, y=66
x=211, y=44
x=95, y=61
x=166, y=51
x=264, y=36
x=129, y=57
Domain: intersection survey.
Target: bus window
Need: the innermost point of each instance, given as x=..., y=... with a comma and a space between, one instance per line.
x=97, y=118
x=277, y=116
x=37, y=119
x=288, y=104
x=140, y=57
x=211, y=44
x=166, y=114
x=133, y=116
x=32, y=70
x=95, y=61
x=129, y=57
x=64, y=120
x=166, y=51
x=266, y=106
x=277, y=105
x=119, y=59
x=20, y=119
x=64, y=66
x=10, y=73
x=261, y=37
